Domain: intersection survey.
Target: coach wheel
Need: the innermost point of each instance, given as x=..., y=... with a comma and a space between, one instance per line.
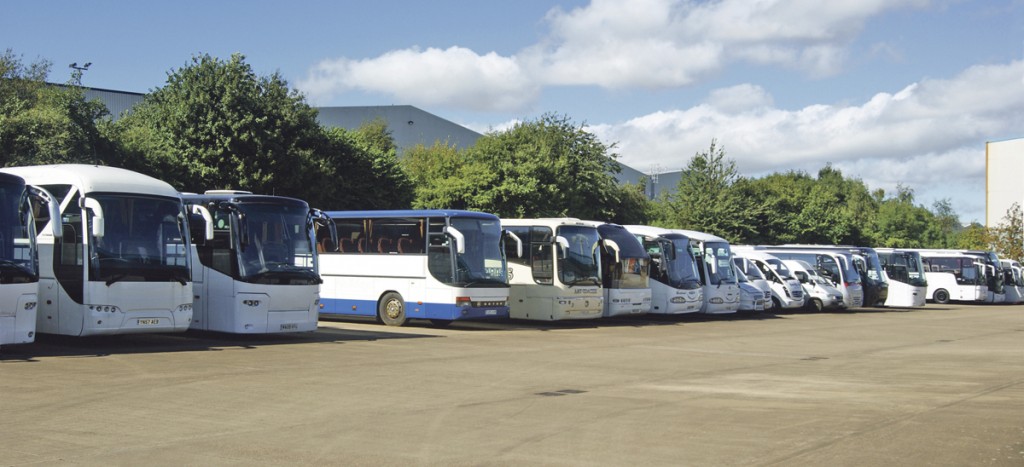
x=941, y=296
x=391, y=309
x=776, y=304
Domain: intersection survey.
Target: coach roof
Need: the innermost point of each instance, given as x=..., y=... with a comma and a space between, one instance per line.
x=94, y=179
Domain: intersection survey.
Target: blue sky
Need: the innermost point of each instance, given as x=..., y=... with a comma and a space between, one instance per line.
x=889, y=91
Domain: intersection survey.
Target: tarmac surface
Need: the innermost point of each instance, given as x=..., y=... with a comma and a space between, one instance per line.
x=940, y=385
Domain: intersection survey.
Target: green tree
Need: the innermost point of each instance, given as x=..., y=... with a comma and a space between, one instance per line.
x=974, y=237
x=446, y=178
x=707, y=200
x=542, y=168
x=794, y=207
x=946, y=224
x=215, y=124
x=779, y=199
x=1008, y=236
x=41, y=123
x=858, y=208
x=359, y=169
x=901, y=223
x=631, y=205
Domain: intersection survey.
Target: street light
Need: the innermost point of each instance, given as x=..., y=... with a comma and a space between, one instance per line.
x=76, y=76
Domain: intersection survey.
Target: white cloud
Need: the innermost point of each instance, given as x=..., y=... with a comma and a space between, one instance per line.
x=615, y=45
x=929, y=136
x=739, y=98
x=786, y=21
x=455, y=76
x=484, y=128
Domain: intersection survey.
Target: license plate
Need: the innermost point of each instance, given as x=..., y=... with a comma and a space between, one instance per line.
x=289, y=327
x=490, y=312
x=148, y=321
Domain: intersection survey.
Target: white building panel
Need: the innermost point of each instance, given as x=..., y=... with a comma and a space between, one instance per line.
x=1004, y=174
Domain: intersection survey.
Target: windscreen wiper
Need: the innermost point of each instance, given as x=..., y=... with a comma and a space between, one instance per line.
x=11, y=264
x=115, y=278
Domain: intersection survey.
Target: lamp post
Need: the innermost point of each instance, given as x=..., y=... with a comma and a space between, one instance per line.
x=76, y=76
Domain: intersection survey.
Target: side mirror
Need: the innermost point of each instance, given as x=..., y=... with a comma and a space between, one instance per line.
x=242, y=232
x=98, y=222
x=614, y=247
x=196, y=224
x=519, y=242
x=207, y=220
x=460, y=240
x=710, y=259
x=564, y=243
x=320, y=219
x=52, y=206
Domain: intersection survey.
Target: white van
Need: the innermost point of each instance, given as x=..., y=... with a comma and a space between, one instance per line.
x=758, y=280
x=835, y=265
x=786, y=290
x=752, y=298
x=821, y=295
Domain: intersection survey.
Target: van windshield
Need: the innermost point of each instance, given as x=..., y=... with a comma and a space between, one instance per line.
x=779, y=268
x=718, y=257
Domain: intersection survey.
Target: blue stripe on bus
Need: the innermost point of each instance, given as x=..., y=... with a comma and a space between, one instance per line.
x=341, y=306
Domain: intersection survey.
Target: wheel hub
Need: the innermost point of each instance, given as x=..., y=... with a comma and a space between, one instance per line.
x=393, y=309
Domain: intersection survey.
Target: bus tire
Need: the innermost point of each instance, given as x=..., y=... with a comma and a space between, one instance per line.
x=391, y=309
x=941, y=296
x=776, y=304
x=816, y=305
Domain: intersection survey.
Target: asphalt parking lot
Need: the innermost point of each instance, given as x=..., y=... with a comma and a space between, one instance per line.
x=942, y=385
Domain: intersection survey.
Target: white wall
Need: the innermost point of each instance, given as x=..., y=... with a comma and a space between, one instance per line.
x=1004, y=178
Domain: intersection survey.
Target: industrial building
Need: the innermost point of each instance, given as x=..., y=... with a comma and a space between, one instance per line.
x=1004, y=168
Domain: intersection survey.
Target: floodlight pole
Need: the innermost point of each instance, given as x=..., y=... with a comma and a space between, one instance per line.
x=76, y=76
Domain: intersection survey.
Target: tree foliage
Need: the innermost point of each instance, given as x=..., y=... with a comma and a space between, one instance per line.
x=42, y=123
x=630, y=204
x=798, y=208
x=359, y=169
x=901, y=223
x=543, y=168
x=946, y=224
x=445, y=177
x=780, y=198
x=974, y=237
x=707, y=199
x=215, y=124
x=549, y=167
x=1008, y=236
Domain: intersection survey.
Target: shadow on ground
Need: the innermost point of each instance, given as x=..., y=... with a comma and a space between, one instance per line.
x=192, y=341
